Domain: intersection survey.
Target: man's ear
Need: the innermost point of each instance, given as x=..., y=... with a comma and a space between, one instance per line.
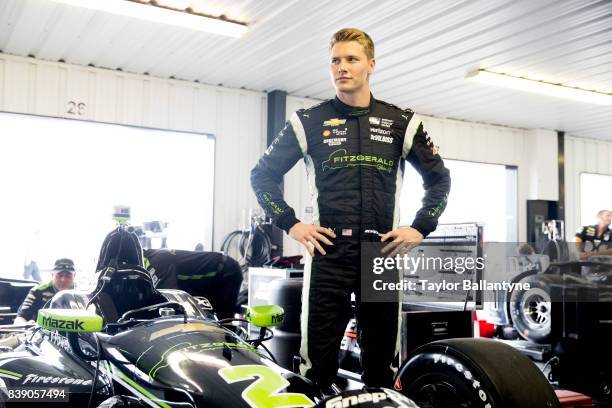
x=372, y=64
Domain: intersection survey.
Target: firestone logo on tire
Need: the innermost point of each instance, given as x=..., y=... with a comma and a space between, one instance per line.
x=439, y=358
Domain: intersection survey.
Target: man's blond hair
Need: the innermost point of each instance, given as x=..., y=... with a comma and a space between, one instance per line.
x=354, y=34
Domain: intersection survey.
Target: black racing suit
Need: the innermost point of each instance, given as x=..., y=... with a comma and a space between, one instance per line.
x=591, y=241
x=37, y=297
x=355, y=163
x=210, y=274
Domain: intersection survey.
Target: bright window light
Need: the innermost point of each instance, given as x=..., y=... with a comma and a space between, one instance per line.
x=541, y=87
x=62, y=178
x=595, y=195
x=483, y=193
x=162, y=15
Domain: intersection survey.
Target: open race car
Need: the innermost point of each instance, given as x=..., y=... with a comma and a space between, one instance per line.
x=135, y=346
x=127, y=344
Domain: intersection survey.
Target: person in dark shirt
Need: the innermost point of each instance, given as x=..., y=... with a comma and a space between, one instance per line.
x=62, y=278
x=210, y=274
x=355, y=149
x=595, y=239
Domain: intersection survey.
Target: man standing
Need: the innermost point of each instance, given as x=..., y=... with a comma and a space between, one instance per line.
x=596, y=239
x=354, y=147
x=62, y=278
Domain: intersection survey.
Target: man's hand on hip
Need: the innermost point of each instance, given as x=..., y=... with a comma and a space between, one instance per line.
x=309, y=235
x=404, y=239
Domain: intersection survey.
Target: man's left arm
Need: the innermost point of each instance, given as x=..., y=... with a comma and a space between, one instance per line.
x=423, y=155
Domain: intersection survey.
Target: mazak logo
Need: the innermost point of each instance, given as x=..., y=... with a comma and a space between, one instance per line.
x=334, y=122
x=277, y=318
x=62, y=324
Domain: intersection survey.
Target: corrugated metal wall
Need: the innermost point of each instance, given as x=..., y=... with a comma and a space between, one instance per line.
x=582, y=156
x=236, y=118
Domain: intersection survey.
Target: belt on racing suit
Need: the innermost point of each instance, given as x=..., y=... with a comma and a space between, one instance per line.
x=356, y=234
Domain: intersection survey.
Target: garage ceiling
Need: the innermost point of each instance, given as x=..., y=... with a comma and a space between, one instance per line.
x=424, y=50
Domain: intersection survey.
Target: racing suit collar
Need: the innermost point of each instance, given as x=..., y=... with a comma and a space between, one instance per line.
x=353, y=111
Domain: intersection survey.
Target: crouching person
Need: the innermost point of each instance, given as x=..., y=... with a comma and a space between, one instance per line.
x=210, y=274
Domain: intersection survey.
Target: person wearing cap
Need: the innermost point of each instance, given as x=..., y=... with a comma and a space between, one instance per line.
x=62, y=278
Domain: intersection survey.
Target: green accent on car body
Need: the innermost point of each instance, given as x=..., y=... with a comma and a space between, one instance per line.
x=11, y=373
x=152, y=398
x=70, y=320
x=158, y=365
x=266, y=390
x=265, y=315
x=195, y=348
x=197, y=277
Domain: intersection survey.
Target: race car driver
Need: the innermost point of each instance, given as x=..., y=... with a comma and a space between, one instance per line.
x=354, y=148
x=596, y=239
x=210, y=274
x=62, y=278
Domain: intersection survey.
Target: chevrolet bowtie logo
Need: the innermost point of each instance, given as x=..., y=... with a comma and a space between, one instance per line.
x=334, y=122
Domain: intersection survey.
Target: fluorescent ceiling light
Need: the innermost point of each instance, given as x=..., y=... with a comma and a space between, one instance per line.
x=136, y=9
x=541, y=87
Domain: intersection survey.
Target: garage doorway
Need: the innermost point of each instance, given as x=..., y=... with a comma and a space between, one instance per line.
x=480, y=192
x=61, y=179
x=595, y=195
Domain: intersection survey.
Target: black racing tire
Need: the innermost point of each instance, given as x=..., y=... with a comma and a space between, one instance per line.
x=473, y=373
x=508, y=295
x=531, y=310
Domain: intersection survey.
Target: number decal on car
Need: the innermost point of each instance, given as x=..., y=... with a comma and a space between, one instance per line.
x=264, y=391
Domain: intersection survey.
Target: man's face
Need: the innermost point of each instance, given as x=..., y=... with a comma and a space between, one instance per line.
x=350, y=66
x=63, y=280
x=605, y=217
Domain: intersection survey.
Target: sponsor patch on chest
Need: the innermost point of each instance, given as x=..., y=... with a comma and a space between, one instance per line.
x=383, y=139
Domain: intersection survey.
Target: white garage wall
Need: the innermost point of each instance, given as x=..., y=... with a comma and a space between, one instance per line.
x=534, y=152
x=237, y=118
x=582, y=155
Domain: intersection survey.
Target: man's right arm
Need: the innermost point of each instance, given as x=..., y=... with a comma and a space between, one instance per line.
x=267, y=175
x=30, y=306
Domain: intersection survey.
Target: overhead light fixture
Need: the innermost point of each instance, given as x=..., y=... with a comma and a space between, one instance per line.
x=160, y=14
x=541, y=87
